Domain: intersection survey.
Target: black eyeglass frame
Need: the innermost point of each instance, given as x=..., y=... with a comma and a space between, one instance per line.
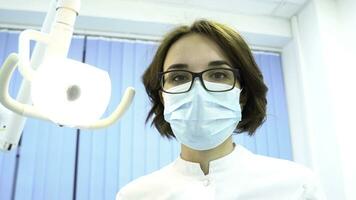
x=200, y=76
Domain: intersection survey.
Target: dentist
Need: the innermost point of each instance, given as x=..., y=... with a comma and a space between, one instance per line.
x=204, y=85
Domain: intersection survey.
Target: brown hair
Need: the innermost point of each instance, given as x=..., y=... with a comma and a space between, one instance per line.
x=253, y=94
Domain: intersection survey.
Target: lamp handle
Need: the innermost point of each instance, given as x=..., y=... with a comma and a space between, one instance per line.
x=6, y=100
x=119, y=111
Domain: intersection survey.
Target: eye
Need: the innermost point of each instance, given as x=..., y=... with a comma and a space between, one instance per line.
x=218, y=75
x=179, y=78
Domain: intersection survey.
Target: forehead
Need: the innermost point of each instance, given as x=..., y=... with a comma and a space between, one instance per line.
x=194, y=50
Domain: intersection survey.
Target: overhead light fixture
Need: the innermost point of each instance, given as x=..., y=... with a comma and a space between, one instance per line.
x=62, y=90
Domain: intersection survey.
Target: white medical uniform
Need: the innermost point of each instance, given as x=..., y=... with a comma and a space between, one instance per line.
x=239, y=175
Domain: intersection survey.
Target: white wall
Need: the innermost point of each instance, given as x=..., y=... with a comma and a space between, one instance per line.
x=343, y=77
x=319, y=71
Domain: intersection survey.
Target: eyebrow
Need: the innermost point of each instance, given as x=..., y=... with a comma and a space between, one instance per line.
x=211, y=64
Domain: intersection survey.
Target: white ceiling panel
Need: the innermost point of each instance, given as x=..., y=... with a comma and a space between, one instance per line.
x=277, y=8
x=236, y=6
x=286, y=10
x=300, y=2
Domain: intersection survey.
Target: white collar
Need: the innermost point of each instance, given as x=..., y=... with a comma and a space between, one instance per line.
x=231, y=161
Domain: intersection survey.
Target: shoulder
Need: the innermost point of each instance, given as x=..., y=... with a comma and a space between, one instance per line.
x=266, y=165
x=277, y=165
x=144, y=186
x=287, y=174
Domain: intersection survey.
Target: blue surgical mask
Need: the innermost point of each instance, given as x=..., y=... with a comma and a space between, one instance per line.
x=200, y=119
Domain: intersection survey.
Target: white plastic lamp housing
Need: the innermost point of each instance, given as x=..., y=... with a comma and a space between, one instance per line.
x=69, y=92
x=98, y=84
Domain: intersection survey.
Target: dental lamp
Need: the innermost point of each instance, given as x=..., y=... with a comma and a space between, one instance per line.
x=63, y=91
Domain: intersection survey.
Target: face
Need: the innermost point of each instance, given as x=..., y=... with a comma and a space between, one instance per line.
x=197, y=52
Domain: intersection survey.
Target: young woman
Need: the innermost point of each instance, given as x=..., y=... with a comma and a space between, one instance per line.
x=204, y=85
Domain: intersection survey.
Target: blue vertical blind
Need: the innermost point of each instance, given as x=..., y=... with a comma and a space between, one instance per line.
x=63, y=163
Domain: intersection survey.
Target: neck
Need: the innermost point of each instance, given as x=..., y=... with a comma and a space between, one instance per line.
x=205, y=156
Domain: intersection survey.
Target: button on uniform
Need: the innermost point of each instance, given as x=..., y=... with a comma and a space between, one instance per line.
x=206, y=182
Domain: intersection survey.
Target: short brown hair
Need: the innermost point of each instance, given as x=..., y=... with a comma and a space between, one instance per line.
x=253, y=94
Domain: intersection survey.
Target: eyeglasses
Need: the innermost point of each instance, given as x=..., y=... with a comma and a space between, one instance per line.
x=213, y=80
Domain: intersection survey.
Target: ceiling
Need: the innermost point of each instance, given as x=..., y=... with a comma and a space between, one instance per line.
x=276, y=8
x=262, y=22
